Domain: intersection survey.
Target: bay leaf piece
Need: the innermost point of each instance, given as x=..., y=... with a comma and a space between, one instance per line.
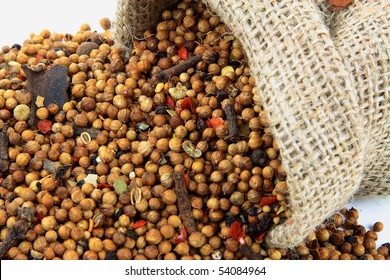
x=51, y=84
x=56, y=169
x=120, y=186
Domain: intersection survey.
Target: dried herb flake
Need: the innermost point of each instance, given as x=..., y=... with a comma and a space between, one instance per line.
x=120, y=186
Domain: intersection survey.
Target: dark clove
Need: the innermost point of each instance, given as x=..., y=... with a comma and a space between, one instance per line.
x=184, y=203
x=4, y=163
x=164, y=75
x=228, y=108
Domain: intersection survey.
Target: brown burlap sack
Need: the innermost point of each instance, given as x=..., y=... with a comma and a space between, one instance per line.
x=323, y=78
x=133, y=17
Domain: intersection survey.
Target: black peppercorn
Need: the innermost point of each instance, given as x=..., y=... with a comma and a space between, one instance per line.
x=200, y=124
x=252, y=211
x=259, y=157
x=221, y=95
x=118, y=213
x=350, y=239
x=80, y=183
x=16, y=46
x=229, y=220
x=93, y=160
x=262, y=225
x=110, y=255
x=162, y=109
x=132, y=234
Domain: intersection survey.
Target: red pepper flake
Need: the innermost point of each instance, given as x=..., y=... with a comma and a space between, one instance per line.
x=261, y=235
x=265, y=200
x=137, y=44
x=44, y=126
x=183, y=53
x=139, y=223
x=182, y=237
x=20, y=76
x=39, y=217
x=171, y=102
x=75, y=159
x=186, y=181
x=214, y=122
x=103, y=185
x=236, y=232
x=340, y=4
x=188, y=103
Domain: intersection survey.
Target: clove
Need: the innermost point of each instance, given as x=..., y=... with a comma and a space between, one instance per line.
x=228, y=108
x=184, y=203
x=4, y=163
x=163, y=76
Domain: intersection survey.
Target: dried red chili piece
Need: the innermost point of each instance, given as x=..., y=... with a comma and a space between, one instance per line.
x=339, y=4
x=214, y=122
x=103, y=185
x=39, y=217
x=44, y=126
x=183, y=53
x=267, y=200
x=139, y=223
x=261, y=235
x=182, y=237
x=188, y=103
x=171, y=102
x=236, y=232
x=186, y=181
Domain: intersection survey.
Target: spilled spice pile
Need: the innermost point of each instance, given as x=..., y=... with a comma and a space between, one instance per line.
x=160, y=156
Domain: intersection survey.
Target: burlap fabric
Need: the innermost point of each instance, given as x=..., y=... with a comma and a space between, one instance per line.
x=133, y=17
x=323, y=79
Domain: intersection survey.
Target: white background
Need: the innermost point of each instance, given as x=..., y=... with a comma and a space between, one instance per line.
x=20, y=18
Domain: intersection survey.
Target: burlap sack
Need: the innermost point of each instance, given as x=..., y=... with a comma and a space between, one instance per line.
x=323, y=78
x=133, y=17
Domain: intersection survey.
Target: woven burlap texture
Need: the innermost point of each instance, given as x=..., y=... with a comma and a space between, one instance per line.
x=323, y=79
x=362, y=37
x=133, y=17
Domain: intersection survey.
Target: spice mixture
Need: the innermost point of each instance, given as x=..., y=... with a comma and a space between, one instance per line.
x=161, y=155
